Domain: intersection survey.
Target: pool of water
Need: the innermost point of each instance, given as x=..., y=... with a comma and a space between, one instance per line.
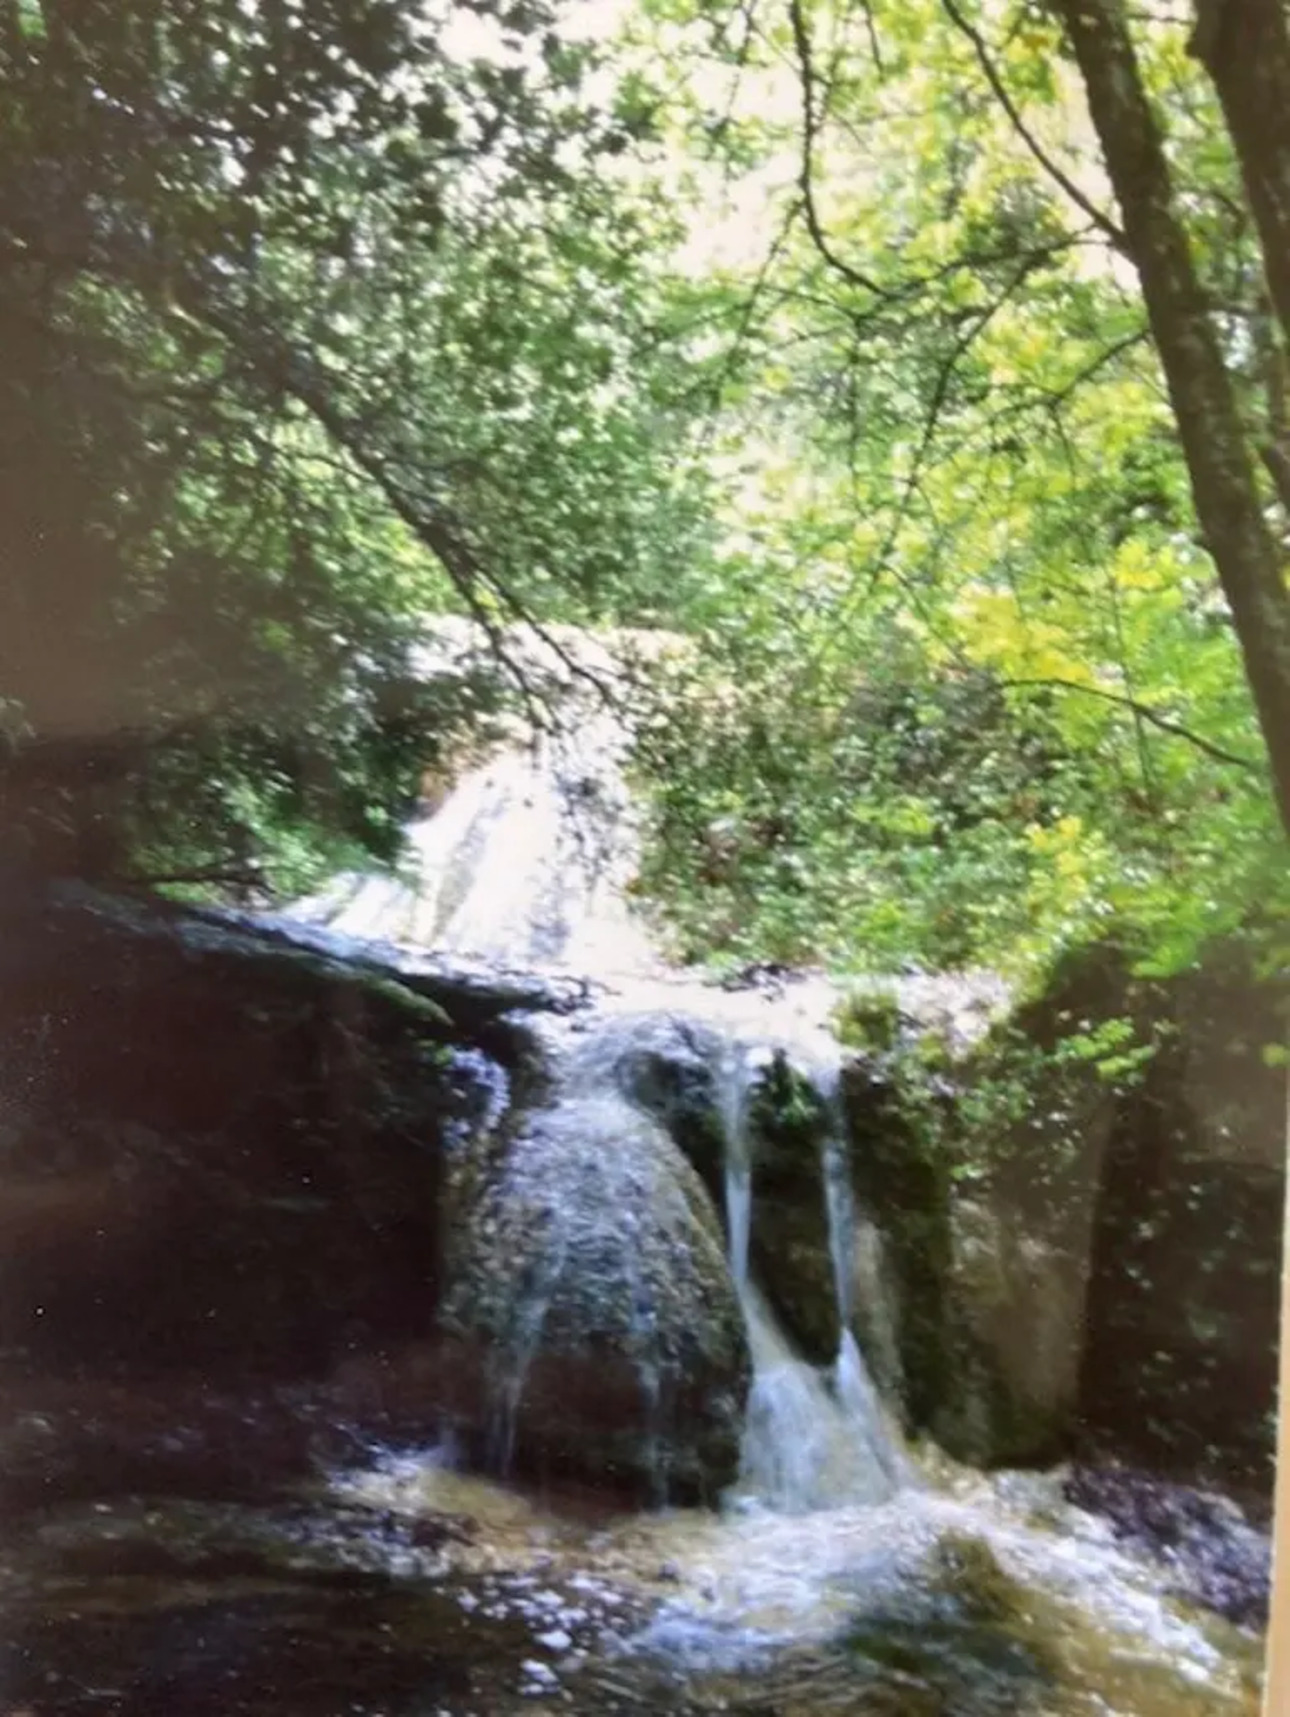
x=399, y=1587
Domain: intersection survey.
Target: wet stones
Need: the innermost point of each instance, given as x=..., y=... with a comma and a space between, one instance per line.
x=670, y=1067
x=589, y=1324
x=699, y=1085
x=1217, y=1558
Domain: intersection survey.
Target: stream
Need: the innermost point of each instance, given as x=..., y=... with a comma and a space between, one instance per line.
x=842, y=1572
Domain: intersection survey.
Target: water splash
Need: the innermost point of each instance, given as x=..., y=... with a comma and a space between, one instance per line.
x=811, y=1440
x=511, y=1360
x=529, y=860
x=807, y=1445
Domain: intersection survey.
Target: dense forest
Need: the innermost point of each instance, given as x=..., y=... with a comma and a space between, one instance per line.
x=926, y=367
x=718, y=1145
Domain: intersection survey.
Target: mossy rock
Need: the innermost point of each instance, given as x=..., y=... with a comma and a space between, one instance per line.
x=590, y=1321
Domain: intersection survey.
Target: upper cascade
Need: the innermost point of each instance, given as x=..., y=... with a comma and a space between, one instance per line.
x=528, y=857
x=527, y=862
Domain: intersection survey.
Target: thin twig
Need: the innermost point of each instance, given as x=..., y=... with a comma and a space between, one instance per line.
x=806, y=172
x=1102, y=221
x=717, y=388
x=1218, y=752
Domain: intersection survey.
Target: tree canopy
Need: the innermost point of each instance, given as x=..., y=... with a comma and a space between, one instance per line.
x=320, y=319
x=925, y=363
x=1005, y=373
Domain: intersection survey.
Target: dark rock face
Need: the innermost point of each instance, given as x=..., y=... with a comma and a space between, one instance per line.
x=909, y=1196
x=668, y=1067
x=255, y=1159
x=220, y=1154
x=789, y=1243
x=1104, y=1279
x=1179, y=1366
x=1180, y=1357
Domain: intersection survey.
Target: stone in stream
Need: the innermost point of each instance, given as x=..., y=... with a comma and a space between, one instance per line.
x=591, y=1319
x=234, y=1154
x=1216, y=1557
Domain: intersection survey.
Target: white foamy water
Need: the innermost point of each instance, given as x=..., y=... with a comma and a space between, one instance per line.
x=765, y=1599
x=528, y=863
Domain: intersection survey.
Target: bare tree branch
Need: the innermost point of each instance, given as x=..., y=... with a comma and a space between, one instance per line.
x=806, y=173
x=1136, y=337
x=871, y=30
x=1144, y=712
x=1100, y=220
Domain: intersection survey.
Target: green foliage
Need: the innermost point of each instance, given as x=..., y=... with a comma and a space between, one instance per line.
x=968, y=692
x=1021, y=1094
x=786, y=1111
x=865, y=820
x=318, y=320
x=775, y=328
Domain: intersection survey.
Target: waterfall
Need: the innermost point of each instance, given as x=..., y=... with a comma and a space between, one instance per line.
x=512, y=1360
x=810, y=1441
x=733, y=1087
x=527, y=863
x=861, y=1281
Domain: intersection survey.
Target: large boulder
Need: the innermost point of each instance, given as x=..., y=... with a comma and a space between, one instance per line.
x=590, y=1322
x=217, y=1152
x=1089, y=1263
x=261, y=1159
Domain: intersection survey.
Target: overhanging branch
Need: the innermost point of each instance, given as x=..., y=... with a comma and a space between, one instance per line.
x=1059, y=176
x=1144, y=712
x=289, y=371
x=806, y=172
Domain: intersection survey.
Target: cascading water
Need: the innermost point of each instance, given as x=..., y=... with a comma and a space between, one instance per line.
x=527, y=863
x=810, y=1441
x=856, y=1252
x=737, y=1165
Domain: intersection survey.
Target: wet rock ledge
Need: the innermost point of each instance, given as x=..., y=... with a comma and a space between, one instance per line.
x=233, y=1160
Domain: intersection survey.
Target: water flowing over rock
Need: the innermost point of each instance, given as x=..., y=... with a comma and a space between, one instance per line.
x=306, y=1221
x=526, y=860
x=589, y=1282
x=595, y=1320
x=1093, y=1270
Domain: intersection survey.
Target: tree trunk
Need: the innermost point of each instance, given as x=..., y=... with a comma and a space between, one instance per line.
x=1223, y=481
x=1244, y=45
